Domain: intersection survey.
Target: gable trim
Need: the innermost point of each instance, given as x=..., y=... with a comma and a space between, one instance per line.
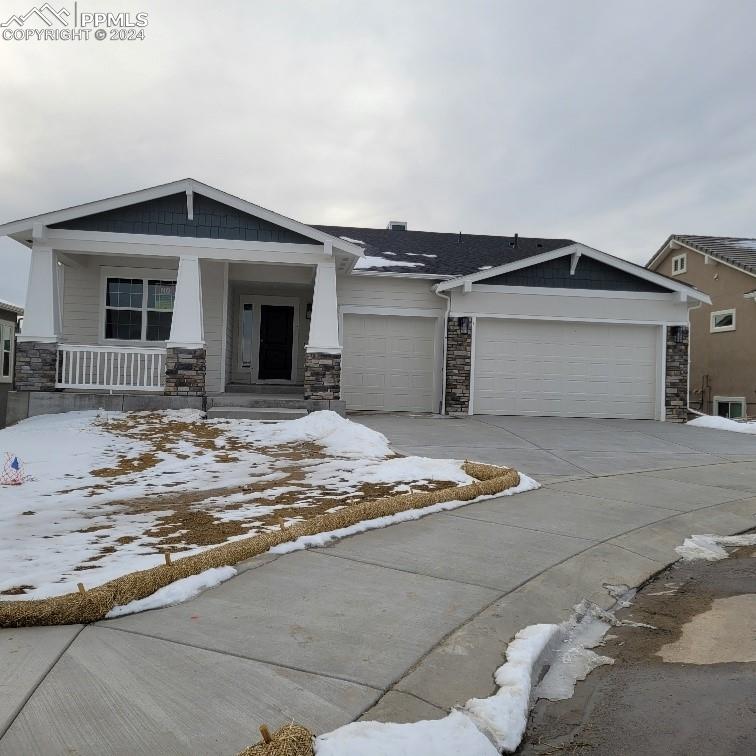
x=643, y=273
x=175, y=187
x=673, y=244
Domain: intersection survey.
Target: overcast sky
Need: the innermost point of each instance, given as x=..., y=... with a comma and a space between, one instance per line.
x=612, y=123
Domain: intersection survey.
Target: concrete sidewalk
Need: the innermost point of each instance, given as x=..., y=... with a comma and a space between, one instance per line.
x=399, y=623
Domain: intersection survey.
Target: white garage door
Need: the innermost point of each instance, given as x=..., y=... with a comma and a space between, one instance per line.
x=388, y=363
x=532, y=367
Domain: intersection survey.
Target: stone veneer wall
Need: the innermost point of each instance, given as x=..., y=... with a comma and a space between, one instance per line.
x=35, y=366
x=322, y=378
x=676, y=377
x=458, y=364
x=185, y=371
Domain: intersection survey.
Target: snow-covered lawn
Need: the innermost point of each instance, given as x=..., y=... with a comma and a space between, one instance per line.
x=723, y=423
x=110, y=493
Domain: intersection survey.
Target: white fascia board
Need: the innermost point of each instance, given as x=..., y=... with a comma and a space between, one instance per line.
x=105, y=243
x=589, y=293
x=596, y=254
x=174, y=187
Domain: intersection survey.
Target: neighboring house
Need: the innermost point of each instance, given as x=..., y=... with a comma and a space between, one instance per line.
x=723, y=334
x=183, y=295
x=9, y=315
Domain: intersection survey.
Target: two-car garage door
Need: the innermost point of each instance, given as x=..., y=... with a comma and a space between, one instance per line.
x=542, y=367
x=388, y=363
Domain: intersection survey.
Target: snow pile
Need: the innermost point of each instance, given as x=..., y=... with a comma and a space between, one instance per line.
x=711, y=547
x=454, y=735
x=323, y=539
x=369, y=261
x=176, y=593
x=723, y=423
x=504, y=715
x=336, y=434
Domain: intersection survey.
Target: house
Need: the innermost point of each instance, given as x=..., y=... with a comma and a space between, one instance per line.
x=9, y=314
x=182, y=295
x=723, y=333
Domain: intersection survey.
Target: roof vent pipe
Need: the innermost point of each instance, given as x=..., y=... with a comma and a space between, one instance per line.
x=515, y=240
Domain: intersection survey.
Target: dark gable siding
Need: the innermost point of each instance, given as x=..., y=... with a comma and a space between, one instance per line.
x=590, y=274
x=167, y=216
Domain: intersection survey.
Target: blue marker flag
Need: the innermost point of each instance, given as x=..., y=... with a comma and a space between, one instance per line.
x=16, y=465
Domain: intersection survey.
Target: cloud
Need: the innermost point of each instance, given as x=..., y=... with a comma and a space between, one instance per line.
x=614, y=123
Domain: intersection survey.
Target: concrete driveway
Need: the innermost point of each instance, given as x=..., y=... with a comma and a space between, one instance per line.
x=399, y=623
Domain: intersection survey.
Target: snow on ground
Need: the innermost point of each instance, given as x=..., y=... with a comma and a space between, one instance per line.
x=711, y=547
x=454, y=735
x=109, y=493
x=177, y=592
x=489, y=726
x=723, y=423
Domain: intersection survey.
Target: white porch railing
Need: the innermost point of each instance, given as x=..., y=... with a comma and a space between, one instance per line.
x=110, y=367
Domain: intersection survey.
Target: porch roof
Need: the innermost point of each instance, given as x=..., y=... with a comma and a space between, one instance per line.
x=23, y=230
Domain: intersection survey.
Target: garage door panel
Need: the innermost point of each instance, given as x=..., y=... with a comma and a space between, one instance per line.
x=565, y=369
x=388, y=363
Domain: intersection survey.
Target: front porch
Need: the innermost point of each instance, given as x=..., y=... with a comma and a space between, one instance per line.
x=182, y=320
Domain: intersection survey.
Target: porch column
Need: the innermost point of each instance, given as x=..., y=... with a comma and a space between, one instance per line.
x=323, y=351
x=186, y=357
x=37, y=347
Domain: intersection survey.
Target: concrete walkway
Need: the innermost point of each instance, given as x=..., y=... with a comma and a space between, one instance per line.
x=399, y=623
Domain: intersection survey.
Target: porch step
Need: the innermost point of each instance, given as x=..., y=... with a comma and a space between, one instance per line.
x=267, y=388
x=249, y=401
x=255, y=413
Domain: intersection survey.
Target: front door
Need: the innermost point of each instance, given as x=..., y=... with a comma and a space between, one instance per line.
x=276, y=342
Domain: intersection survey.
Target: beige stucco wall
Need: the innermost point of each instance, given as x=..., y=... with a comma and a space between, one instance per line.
x=723, y=363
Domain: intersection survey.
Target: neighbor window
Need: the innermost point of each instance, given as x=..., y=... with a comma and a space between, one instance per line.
x=724, y=320
x=679, y=264
x=7, y=331
x=729, y=406
x=139, y=309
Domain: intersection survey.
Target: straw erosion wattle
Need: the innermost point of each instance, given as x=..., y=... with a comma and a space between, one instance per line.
x=111, y=493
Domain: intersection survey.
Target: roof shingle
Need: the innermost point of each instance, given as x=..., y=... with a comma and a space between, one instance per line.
x=440, y=254
x=735, y=250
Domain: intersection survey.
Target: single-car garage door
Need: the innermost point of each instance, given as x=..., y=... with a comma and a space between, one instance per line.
x=540, y=367
x=388, y=363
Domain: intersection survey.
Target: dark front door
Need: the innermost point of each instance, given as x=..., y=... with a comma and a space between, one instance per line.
x=276, y=340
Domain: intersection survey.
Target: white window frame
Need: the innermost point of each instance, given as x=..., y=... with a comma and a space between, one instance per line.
x=729, y=400
x=12, y=328
x=680, y=264
x=720, y=329
x=146, y=274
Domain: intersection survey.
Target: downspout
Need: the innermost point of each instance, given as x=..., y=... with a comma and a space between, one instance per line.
x=687, y=402
x=446, y=330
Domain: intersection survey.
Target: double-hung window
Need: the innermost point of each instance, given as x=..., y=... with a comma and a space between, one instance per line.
x=7, y=335
x=138, y=309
